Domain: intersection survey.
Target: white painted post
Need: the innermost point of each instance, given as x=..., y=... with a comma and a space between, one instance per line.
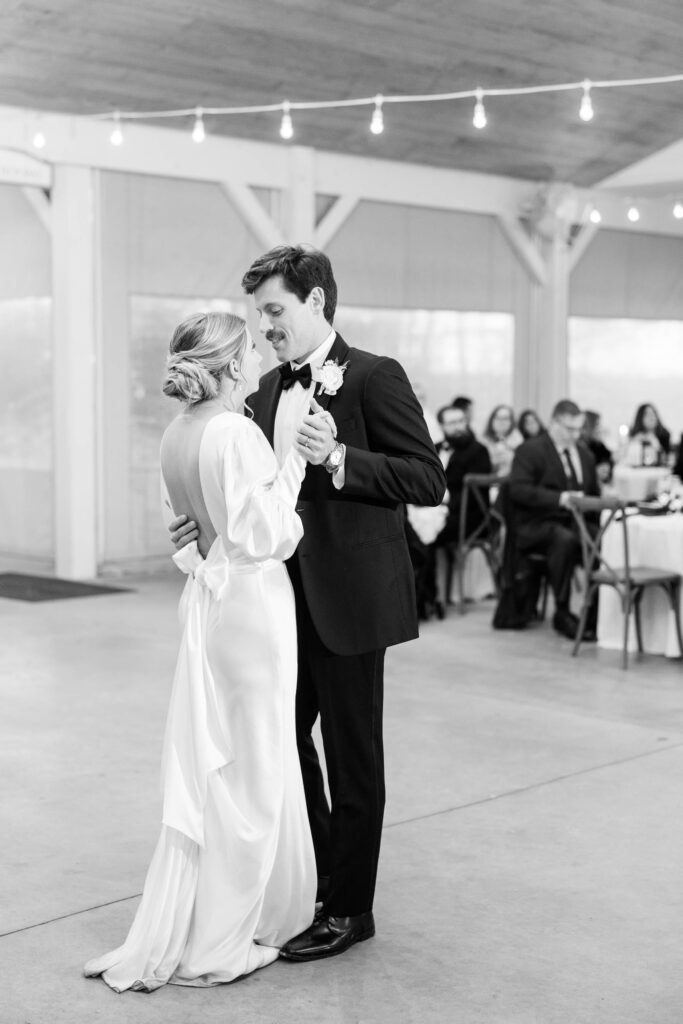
x=299, y=198
x=74, y=354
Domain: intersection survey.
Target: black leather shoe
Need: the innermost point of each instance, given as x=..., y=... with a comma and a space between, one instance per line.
x=329, y=936
x=566, y=624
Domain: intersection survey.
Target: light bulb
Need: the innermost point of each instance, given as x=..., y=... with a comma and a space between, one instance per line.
x=377, y=122
x=595, y=216
x=633, y=214
x=678, y=210
x=39, y=140
x=286, y=127
x=198, y=133
x=479, y=118
x=586, y=109
x=116, y=137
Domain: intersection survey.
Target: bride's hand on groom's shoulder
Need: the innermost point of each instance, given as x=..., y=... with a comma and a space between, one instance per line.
x=183, y=531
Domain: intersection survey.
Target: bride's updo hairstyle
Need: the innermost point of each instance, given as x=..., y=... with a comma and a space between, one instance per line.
x=200, y=352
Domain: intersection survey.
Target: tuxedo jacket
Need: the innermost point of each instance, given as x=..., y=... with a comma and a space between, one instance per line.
x=353, y=558
x=537, y=479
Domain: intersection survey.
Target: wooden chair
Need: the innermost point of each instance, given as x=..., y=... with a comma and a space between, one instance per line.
x=486, y=537
x=629, y=581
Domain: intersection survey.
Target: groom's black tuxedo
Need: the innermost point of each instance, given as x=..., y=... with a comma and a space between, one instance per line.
x=355, y=596
x=354, y=562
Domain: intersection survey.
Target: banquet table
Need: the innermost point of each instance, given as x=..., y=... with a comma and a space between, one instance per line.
x=636, y=483
x=656, y=542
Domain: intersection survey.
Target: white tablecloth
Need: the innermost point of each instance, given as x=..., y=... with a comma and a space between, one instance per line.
x=656, y=542
x=637, y=484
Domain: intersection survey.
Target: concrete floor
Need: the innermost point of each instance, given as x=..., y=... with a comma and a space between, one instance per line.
x=531, y=863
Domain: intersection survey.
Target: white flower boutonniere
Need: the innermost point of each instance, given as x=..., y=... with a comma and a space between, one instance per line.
x=330, y=376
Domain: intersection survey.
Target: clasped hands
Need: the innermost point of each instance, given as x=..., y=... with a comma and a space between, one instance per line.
x=316, y=437
x=314, y=440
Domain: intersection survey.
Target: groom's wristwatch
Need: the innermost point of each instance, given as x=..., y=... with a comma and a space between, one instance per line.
x=336, y=458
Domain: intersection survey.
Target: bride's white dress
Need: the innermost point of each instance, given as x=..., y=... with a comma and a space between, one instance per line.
x=233, y=874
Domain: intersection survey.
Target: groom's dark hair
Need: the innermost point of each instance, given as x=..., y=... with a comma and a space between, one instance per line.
x=302, y=268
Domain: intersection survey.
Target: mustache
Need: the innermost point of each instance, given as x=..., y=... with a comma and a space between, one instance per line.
x=274, y=335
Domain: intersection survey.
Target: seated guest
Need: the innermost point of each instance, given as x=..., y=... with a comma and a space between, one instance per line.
x=501, y=437
x=546, y=471
x=529, y=425
x=467, y=406
x=591, y=437
x=649, y=441
x=460, y=453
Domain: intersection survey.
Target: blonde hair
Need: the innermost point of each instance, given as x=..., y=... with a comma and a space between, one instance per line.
x=201, y=350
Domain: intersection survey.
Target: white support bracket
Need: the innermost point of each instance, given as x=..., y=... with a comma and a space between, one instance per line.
x=524, y=248
x=581, y=243
x=256, y=218
x=330, y=224
x=39, y=201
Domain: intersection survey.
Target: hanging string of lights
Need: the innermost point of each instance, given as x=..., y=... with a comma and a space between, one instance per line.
x=586, y=113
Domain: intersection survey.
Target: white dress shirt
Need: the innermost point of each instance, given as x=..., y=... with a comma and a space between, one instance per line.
x=295, y=402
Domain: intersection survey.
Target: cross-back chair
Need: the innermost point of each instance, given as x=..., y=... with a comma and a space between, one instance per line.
x=629, y=581
x=486, y=536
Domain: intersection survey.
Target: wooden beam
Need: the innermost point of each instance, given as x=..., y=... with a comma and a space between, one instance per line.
x=39, y=201
x=256, y=218
x=524, y=248
x=168, y=153
x=338, y=213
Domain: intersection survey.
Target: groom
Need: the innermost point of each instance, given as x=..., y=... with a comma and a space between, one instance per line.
x=369, y=453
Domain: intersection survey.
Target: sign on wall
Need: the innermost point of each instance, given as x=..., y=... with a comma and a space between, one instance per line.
x=18, y=168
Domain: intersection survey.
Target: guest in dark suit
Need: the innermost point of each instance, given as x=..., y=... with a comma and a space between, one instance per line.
x=369, y=454
x=460, y=453
x=546, y=471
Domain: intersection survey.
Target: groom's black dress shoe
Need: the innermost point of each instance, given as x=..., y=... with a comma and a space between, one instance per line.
x=329, y=936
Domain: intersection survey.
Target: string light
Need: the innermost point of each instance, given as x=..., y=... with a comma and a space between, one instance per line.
x=39, y=140
x=633, y=213
x=286, y=126
x=116, y=137
x=678, y=210
x=479, y=116
x=377, y=122
x=198, y=131
x=594, y=216
x=586, y=109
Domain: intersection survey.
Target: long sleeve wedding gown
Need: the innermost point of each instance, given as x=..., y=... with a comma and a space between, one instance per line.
x=233, y=874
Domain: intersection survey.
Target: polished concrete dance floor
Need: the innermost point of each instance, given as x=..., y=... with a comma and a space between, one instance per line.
x=533, y=851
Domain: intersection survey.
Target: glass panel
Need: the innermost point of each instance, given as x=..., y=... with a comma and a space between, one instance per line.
x=616, y=365
x=445, y=353
x=153, y=320
x=26, y=507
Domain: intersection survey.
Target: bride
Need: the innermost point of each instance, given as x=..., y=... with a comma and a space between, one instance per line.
x=233, y=875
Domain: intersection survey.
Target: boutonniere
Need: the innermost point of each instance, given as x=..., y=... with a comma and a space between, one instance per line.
x=330, y=376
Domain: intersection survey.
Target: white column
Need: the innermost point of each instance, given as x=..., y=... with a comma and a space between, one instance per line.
x=74, y=352
x=299, y=197
x=550, y=327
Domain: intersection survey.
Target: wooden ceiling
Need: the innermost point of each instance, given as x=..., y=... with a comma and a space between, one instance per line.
x=94, y=56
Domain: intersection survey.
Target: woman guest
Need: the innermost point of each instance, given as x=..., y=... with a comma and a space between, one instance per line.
x=592, y=438
x=649, y=441
x=501, y=437
x=529, y=425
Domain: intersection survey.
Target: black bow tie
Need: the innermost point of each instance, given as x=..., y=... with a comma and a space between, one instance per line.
x=289, y=376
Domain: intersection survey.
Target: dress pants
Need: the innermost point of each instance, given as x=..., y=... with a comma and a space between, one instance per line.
x=561, y=546
x=347, y=693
